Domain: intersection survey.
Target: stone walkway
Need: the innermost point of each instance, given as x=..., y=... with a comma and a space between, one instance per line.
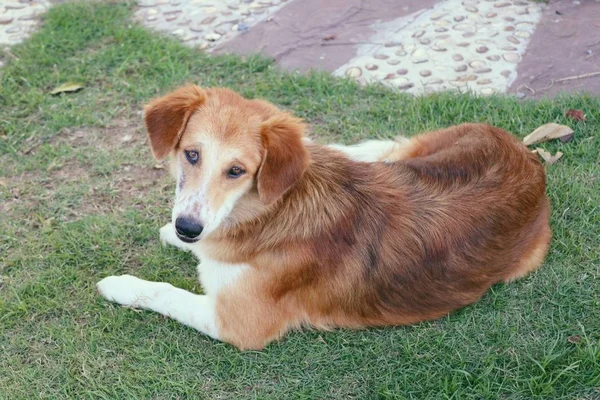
x=524, y=47
x=205, y=23
x=469, y=44
x=18, y=19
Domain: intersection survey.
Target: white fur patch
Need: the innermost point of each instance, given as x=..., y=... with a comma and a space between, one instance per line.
x=371, y=150
x=215, y=276
x=196, y=311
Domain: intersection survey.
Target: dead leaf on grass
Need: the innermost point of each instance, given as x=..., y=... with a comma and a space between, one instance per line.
x=574, y=339
x=547, y=157
x=159, y=166
x=548, y=132
x=68, y=87
x=576, y=115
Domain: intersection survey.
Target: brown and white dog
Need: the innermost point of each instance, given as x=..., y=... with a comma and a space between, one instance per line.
x=292, y=233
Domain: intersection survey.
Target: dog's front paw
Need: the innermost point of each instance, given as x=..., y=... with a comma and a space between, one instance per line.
x=127, y=290
x=167, y=233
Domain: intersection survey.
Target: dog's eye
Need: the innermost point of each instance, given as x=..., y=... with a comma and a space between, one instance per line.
x=235, y=172
x=192, y=156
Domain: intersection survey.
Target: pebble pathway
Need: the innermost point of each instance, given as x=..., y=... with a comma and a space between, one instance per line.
x=18, y=19
x=205, y=23
x=463, y=45
x=466, y=45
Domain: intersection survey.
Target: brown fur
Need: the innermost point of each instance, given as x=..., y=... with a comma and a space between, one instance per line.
x=338, y=243
x=284, y=160
x=167, y=117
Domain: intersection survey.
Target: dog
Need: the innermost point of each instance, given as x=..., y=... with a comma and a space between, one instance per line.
x=291, y=233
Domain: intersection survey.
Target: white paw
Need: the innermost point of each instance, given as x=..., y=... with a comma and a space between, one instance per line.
x=166, y=234
x=130, y=291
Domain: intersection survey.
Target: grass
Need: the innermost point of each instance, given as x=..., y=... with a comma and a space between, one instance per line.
x=80, y=199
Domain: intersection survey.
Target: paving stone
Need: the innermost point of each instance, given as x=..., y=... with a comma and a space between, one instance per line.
x=212, y=37
x=512, y=58
x=353, y=72
x=477, y=64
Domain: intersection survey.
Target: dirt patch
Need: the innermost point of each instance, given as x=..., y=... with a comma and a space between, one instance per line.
x=97, y=177
x=122, y=133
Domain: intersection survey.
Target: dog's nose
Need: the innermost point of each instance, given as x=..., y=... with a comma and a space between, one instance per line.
x=188, y=228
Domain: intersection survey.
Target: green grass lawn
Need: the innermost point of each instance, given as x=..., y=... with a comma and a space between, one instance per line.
x=81, y=198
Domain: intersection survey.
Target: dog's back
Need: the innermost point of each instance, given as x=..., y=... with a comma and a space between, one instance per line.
x=479, y=215
x=465, y=208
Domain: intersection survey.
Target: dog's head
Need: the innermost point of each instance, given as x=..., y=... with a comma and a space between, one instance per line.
x=232, y=157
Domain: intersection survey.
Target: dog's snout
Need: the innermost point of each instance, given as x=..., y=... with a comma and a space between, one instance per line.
x=188, y=229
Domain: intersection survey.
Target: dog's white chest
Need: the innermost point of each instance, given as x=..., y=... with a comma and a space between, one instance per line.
x=215, y=275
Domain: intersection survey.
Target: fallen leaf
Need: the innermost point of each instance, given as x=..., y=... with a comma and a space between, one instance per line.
x=126, y=138
x=159, y=166
x=67, y=87
x=543, y=153
x=576, y=115
x=548, y=158
x=556, y=157
x=329, y=37
x=574, y=339
x=547, y=132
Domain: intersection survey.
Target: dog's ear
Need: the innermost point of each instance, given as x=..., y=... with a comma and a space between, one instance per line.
x=167, y=117
x=285, y=157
